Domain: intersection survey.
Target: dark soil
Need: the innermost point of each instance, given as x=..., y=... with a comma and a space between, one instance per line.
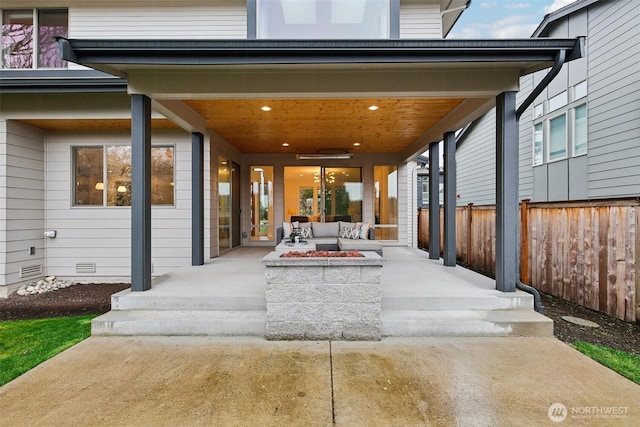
x=75, y=300
x=96, y=299
x=612, y=332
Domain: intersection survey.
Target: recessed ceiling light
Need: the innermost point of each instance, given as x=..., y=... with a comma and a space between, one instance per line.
x=373, y=107
x=265, y=108
x=356, y=144
x=285, y=144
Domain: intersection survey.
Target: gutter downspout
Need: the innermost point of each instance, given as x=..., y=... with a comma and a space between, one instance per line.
x=557, y=66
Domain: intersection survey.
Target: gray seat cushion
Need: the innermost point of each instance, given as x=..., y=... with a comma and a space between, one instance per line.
x=359, y=245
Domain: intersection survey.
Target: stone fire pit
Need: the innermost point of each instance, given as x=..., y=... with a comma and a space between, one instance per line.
x=323, y=298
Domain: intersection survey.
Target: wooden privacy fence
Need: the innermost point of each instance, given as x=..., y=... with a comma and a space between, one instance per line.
x=584, y=252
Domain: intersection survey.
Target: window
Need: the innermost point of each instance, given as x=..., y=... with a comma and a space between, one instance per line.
x=558, y=101
x=93, y=188
x=323, y=19
x=538, y=144
x=538, y=111
x=22, y=47
x=580, y=130
x=580, y=90
x=386, y=202
x=558, y=138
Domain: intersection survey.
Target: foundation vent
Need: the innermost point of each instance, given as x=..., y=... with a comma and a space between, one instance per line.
x=31, y=270
x=86, y=267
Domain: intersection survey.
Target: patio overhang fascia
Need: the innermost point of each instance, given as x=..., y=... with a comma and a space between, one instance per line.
x=118, y=56
x=60, y=81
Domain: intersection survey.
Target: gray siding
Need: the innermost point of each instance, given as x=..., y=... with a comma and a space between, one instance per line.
x=102, y=235
x=22, y=209
x=476, y=163
x=611, y=167
x=614, y=99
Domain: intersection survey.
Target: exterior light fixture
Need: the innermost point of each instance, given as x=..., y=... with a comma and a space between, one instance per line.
x=356, y=144
x=265, y=108
x=373, y=107
x=321, y=156
x=285, y=144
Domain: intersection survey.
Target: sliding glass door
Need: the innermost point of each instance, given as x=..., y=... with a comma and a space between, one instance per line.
x=315, y=193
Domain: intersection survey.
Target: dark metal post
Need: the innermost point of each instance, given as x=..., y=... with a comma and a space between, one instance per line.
x=140, y=193
x=197, y=198
x=449, y=253
x=434, y=200
x=506, y=192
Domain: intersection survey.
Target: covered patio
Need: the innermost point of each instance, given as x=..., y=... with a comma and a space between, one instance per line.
x=226, y=297
x=439, y=85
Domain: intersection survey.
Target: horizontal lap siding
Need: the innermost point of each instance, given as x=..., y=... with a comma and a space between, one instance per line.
x=22, y=211
x=419, y=20
x=102, y=235
x=217, y=20
x=476, y=163
x=614, y=99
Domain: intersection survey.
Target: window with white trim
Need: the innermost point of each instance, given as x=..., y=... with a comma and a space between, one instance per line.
x=580, y=130
x=560, y=129
x=558, y=137
x=102, y=175
x=28, y=37
x=538, y=144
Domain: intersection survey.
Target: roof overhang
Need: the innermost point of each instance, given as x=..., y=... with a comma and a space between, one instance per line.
x=119, y=56
x=321, y=88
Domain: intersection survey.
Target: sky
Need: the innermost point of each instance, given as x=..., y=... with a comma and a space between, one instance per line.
x=503, y=19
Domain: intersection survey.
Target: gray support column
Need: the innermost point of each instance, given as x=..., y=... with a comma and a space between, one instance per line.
x=197, y=198
x=506, y=192
x=434, y=200
x=140, y=193
x=449, y=253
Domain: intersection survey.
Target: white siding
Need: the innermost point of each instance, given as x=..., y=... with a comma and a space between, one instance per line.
x=102, y=235
x=420, y=20
x=217, y=20
x=22, y=207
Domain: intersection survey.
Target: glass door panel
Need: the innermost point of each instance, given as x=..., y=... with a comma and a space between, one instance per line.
x=386, y=202
x=320, y=194
x=262, y=219
x=224, y=203
x=342, y=194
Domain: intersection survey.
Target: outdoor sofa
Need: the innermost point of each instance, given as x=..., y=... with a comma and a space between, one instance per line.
x=333, y=236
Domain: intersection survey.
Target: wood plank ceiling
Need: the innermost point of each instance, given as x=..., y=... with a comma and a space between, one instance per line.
x=323, y=125
x=306, y=125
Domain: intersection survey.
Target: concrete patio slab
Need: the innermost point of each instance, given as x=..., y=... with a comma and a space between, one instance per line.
x=156, y=381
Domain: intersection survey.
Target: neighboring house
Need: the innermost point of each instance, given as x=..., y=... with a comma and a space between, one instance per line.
x=256, y=111
x=580, y=139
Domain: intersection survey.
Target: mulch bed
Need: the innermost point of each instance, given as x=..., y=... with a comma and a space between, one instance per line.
x=76, y=300
x=96, y=299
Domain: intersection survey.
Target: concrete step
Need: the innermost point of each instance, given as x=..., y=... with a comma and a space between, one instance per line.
x=180, y=322
x=470, y=323
x=489, y=300
x=127, y=300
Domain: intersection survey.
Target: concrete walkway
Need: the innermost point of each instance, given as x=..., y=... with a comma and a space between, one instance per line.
x=185, y=381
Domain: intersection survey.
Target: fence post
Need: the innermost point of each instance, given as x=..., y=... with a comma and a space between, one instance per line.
x=469, y=221
x=524, y=241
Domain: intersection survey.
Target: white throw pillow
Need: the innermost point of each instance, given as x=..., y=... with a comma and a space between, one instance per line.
x=286, y=227
x=364, y=230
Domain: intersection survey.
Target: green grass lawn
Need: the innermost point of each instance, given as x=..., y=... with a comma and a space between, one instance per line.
x=626, y=364
x=25, y=344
